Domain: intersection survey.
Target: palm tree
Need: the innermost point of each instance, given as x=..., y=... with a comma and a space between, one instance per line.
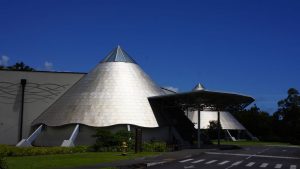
x=20, y=66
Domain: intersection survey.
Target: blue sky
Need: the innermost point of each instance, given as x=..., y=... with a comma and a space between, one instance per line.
x=250, y=47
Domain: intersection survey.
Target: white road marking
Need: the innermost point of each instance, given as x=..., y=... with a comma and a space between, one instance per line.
x=155, y=163
x=191, y=166
x=278, y=165
x=237, y=163
x=198, y=161
x=186, y=160
x=253, y=155
x=264, y=165
x=293, y=167
x=266, y=149
x=224, y=162
x=234, y=164
x=283, y=146
x=250, y=164
x=212, y=161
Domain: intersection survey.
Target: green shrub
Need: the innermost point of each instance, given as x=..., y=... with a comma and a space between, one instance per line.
x=107, y=141
x=155, y=146
x=125, y=136
x=32, y=151
x=3, y=164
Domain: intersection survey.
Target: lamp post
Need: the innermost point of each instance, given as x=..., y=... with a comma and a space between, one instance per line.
x=23, y=84
x=219, y=128
x=199, y=129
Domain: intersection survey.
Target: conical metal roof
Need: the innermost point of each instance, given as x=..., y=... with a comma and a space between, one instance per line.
x=199, y=86
x=118, y=55
x=228, y=122
x=114, y=92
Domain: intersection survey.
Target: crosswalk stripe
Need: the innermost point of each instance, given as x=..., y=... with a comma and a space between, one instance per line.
x=237, y=163
x=278, y=165
x=212, y=161
x=186, y=160
x=293, y=167
x=263, y=165
x=224, y=162
x=250, y=164
x=198, y=161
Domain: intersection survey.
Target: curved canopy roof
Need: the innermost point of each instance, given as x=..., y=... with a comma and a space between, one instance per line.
x=205, y=98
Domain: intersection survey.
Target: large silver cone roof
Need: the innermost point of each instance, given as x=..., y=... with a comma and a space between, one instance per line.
x=114, y=92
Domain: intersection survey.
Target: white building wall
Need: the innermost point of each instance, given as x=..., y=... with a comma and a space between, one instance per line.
x=42, y=89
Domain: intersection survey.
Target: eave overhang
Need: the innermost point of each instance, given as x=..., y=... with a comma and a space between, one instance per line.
x=204, y=98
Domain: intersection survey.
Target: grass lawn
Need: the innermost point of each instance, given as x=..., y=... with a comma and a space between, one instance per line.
x=250, y=143
x=69, y=160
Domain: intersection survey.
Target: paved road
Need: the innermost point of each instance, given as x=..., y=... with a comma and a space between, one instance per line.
x=264, y=157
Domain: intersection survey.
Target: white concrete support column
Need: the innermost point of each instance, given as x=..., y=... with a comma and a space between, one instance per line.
x=251, y=136
x=230, y=136
x=128, y=127
x=70, y=141
x=27, y=142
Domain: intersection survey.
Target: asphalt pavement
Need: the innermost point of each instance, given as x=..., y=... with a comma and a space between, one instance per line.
x=260, y=157
x=247, y=157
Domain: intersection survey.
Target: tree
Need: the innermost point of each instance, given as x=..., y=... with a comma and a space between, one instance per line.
x=257, y=122
x=20, y=66
x=212, y=131
x=287, y=117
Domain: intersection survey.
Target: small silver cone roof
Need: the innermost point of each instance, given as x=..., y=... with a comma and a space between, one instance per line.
x=116, y=91
x=199, y=86
x=118, y=55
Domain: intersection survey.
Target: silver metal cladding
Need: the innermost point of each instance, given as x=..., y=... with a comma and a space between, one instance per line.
x=227, y=121
x=112, y=93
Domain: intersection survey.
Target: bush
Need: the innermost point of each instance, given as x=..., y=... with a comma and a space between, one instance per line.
x=107, y=141
x=31, y=151
x=125, y=136
x=212, y=131
x=155, y=146
x=3, y=164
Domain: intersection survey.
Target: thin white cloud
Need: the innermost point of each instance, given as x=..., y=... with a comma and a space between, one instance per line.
x=4, y=60
x=175, y=89
x=48, y=66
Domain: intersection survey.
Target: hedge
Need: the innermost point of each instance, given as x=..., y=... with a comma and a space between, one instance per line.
x=154, y=146
x=6, y=150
